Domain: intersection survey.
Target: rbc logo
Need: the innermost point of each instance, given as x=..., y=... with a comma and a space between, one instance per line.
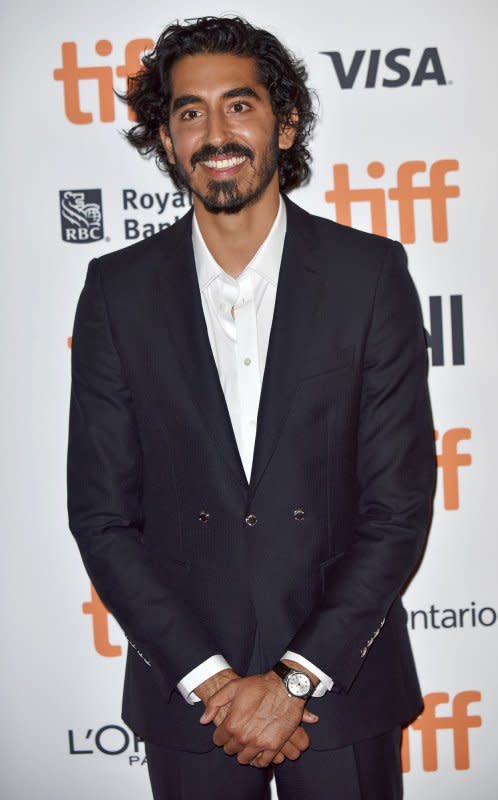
x=427, y=68
x=81, y=215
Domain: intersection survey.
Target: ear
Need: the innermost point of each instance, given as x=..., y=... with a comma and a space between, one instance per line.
x=167, y=144
x=286, y=132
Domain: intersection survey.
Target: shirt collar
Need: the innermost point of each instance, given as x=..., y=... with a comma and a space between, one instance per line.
x=266, y=261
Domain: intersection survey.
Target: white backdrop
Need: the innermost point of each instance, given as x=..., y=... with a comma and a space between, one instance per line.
x=63, y=662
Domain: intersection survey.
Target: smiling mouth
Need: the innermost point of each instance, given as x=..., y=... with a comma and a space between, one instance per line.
x=224, y=163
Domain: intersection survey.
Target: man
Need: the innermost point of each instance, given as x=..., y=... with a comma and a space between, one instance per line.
x=250, y=461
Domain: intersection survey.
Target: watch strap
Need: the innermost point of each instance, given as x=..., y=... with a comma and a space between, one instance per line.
x=281, y=669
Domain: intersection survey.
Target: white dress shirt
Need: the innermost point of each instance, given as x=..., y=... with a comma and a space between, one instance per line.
x=239, y=341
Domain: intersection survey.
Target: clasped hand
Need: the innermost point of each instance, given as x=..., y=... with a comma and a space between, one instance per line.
x=261, y=723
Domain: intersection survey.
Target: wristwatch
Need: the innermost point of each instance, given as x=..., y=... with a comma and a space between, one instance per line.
x=297, y=683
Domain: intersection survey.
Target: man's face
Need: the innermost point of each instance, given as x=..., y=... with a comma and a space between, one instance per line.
x=223, y=136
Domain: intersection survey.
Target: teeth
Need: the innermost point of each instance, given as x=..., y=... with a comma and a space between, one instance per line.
x=226, y=163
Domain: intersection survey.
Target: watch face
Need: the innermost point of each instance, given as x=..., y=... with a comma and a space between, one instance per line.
x=298, y=684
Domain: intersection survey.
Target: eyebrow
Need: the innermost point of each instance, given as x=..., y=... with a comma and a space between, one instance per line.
x=238, y=91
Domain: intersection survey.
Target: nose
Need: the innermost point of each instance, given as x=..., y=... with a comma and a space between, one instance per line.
x=217, y=127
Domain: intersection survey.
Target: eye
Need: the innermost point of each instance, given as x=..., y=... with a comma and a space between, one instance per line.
x=190, y=113
x=239, y=106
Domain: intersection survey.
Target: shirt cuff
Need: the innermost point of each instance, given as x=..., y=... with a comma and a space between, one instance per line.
x=198, y=675
x=326, y=682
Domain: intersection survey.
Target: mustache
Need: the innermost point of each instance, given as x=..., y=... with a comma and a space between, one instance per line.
x=231, y=149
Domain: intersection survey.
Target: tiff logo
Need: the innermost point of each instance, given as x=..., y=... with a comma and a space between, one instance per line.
x=427, y=68
x=449, y=460
x=459, y=722
x=405, y=193
x=435, y=339
x=71, y=74
x=100, y=623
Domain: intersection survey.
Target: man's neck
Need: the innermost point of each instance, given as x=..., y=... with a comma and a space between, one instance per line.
x=233, y=239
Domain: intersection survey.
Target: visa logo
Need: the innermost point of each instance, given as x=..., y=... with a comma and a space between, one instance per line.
x=394, y=68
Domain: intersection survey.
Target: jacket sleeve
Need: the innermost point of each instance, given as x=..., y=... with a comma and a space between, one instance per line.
x=395, y=473
x=104, y=470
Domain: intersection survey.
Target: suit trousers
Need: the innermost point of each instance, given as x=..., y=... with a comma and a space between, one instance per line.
x=366, y=770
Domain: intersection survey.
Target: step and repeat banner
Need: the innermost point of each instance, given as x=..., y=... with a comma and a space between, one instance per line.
x=405, y=147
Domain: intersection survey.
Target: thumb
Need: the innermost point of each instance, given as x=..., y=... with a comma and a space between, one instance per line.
x=308, y=716
x=217, y=700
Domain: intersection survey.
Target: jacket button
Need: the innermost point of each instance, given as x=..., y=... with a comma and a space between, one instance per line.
x=299, y=514
x=251, y=519
x=203, y=516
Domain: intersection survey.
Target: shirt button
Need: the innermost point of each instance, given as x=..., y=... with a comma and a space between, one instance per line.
x=299, y=514
x=247, y=361
x=203, y=516
x=251, y=520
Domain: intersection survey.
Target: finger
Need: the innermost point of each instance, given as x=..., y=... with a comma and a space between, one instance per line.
x=221, y=735
x=209, y=714
x=264, y=759
x=290, y=751
x=300, y=739
x=279, y=758
x=217, y=700
x=248, y=754
x=233, y=746
x=221, y=715
x=308, y=716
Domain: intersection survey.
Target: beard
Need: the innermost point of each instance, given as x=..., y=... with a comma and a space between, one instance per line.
x=226, y=196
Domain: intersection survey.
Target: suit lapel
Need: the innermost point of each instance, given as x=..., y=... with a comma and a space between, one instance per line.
x=181, y=303
x=298, y=292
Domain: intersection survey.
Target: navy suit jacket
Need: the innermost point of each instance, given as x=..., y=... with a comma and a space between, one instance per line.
x=344, y=432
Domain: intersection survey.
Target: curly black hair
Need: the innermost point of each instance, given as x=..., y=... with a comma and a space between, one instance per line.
x=283, y=75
